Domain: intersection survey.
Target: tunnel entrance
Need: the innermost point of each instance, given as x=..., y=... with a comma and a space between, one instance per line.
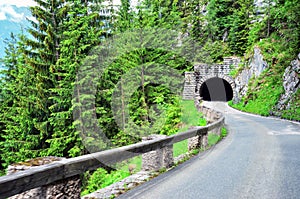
x=216, y=89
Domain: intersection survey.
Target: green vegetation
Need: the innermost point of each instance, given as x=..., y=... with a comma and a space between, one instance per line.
x=190, y=116
x=101, y=178
x=214, y=138
x=37, y=98
x=293, y=113
x=263, y=95
x=180, y=148
x=277, y=35
x=235, y=71
x=264, y=91
x=224, y=132
x=96, y=180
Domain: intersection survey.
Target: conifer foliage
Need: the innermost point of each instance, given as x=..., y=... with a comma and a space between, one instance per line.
x=37, y=84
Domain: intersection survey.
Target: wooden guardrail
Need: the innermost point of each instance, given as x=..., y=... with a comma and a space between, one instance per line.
x=61, y=170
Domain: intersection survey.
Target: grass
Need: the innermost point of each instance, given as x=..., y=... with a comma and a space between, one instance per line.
x=214, y=138
x=190, y=115
x=263, y=93
x=136, y=162
x=180, y=148
x=263, y=96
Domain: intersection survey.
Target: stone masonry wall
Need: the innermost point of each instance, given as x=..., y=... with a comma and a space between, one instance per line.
x=68, y=188
x=204, y=70
x=189, y=86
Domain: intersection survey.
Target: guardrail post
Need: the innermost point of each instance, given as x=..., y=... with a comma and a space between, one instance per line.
x=214, y=116
x=67, y=188
x=197, y=142
x=160, y=158
x=204, y=141
x=194, y=142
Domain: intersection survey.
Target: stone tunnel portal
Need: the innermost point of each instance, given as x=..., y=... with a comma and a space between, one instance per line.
x=216, y=89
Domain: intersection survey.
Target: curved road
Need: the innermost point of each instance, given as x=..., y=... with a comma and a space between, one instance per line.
x=260, y=158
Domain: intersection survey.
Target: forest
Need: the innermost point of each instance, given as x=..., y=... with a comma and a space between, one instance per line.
x=41, y=67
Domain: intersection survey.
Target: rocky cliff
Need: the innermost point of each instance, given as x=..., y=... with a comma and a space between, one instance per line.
x=291, y=84
x=255, y=67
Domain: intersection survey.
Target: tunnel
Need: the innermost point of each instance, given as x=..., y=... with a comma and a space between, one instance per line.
x=216, y=89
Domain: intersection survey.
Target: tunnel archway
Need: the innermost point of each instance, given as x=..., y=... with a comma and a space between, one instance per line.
x=216, y=89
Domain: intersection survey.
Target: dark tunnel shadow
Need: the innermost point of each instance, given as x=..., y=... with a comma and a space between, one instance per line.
x=216, y=89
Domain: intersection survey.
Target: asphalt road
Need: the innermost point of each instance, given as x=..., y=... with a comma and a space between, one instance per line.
x=260, y=158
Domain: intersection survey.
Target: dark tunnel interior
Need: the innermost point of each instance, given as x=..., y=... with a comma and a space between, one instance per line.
x=216, y=89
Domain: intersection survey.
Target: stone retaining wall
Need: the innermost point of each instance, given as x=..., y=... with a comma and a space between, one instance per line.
x=68, y=188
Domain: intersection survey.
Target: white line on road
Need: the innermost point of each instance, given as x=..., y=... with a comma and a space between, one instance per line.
x=284, y=133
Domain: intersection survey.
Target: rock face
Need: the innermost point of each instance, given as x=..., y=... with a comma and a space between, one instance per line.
x=291, y=80
x=291, y=84
x=256, y=66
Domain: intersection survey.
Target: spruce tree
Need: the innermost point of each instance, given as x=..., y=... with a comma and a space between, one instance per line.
x=42, y=54
x=20, y=139
x=82, y=31
x=240, y=26
x=124, y=17
x=286, y=16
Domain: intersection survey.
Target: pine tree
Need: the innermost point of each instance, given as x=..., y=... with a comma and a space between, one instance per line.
x=8, y=76
x=278, y=21
x=151, y=16
x=193, y=14
x=40, y=116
